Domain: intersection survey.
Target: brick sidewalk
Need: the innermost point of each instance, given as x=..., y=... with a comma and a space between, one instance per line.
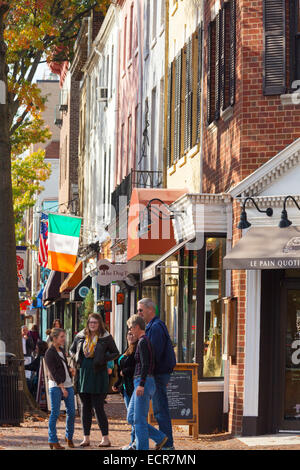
x=33, y=434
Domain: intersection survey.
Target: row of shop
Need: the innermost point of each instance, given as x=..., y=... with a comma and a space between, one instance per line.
x=231, y=311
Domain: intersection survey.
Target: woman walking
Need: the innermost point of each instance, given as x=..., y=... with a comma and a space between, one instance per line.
x=60, y=387
x=92, y=348
x=124, y=384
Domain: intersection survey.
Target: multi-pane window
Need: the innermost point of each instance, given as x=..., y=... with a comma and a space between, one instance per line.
x=184, y=91
x=221, y=61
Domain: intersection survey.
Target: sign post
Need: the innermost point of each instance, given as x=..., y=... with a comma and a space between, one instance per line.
x=182, y=392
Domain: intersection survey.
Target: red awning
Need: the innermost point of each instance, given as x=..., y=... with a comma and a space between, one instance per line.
x=160, y=238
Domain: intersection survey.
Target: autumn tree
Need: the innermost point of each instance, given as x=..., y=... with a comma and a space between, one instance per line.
x=31, y=31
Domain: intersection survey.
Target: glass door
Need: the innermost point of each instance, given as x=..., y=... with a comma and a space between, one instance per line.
x=291, y=376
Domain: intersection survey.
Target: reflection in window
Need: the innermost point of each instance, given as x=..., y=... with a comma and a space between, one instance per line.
x=214, y=289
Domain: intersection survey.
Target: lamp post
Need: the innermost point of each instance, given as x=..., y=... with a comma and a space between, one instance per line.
x=243, y=223
x=284, y=221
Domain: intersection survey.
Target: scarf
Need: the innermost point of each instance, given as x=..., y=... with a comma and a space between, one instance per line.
x=89, y=346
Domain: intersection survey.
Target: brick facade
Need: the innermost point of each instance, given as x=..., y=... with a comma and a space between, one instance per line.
x=259, y=128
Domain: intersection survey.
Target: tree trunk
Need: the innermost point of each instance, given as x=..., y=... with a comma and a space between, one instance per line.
x=10, y=319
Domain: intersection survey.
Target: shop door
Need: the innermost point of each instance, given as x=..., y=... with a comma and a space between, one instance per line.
x=290, y=362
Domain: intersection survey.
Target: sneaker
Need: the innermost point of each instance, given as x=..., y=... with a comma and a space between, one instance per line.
x=129, y=447
x=161, y=444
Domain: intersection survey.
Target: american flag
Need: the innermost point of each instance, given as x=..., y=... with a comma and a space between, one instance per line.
x=43, y=243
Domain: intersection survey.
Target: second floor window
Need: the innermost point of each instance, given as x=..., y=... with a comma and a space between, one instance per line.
x=221, y=61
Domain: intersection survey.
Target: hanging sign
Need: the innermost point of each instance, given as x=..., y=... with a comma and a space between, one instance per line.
x=21, y=267
x=109, y=272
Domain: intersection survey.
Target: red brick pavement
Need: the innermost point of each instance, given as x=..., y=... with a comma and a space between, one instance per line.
x=32, y=434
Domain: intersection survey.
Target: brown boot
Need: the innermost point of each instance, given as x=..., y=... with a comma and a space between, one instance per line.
x=70, y=443
x=55, y=446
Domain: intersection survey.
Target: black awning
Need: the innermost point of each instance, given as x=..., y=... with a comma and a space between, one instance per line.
x=51, y=290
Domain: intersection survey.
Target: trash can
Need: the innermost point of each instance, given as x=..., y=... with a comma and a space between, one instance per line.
x=11, y=391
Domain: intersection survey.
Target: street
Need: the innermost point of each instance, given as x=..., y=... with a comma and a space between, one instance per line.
x=33, y=435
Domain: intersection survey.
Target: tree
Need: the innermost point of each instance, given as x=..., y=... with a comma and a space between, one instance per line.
x=87, y=308
x=31, y=31
x=27, y=173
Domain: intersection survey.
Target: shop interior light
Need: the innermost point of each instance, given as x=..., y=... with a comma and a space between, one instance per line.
x=284, y=221
x=243, y=223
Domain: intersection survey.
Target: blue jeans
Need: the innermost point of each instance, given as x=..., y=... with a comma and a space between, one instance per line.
x=161, y=407
x=55, y=399
x=127, y=401
x=137, y=415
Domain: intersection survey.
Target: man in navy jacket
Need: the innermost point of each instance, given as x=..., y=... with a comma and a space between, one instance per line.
x=165, y=360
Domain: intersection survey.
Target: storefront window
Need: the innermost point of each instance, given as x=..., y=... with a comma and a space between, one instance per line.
x=214, y=289
x=171, y=281
x=189, y=306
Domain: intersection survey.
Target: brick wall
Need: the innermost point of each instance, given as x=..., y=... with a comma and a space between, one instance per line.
x=259, y=128
x=69, y=146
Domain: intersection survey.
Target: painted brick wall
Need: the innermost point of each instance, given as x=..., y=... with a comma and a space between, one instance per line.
x=259, y=128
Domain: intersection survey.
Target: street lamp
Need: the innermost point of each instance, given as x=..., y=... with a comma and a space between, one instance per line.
x=243, y=223
x=284, y=221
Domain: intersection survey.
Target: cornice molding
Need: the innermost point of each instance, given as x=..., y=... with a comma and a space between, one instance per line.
x=268, y=173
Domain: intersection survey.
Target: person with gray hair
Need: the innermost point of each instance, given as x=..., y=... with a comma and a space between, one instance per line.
x=144, y=389
x=159, y=337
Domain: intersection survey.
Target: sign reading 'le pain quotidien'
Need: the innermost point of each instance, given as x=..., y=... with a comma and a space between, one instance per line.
x=109, y=272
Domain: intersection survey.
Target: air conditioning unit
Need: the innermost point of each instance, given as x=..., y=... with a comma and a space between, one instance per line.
x=102, y=93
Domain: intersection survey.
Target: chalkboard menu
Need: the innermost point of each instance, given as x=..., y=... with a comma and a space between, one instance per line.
x=182, y=392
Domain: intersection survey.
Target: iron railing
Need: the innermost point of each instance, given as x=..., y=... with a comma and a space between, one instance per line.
x=135, y=179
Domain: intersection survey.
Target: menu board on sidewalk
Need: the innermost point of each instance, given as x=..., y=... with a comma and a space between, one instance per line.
x=182, y=392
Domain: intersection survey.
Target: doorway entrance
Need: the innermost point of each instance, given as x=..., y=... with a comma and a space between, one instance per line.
x=290, y=362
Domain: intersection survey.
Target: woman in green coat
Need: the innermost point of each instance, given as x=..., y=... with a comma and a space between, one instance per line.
x=92, y=348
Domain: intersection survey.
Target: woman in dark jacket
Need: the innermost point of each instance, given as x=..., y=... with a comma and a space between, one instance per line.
x=92, y=348
x=60, y=387
x=124, y=384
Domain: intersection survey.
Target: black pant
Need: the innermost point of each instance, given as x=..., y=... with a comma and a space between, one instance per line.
x=89, y=402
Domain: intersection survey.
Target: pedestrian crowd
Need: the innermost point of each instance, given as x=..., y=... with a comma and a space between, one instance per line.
x=143, y=373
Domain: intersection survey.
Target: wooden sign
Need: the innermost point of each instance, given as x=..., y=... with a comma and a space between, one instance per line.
x=182, y=392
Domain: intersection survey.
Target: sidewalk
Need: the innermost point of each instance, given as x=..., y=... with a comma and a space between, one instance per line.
x=33, y=433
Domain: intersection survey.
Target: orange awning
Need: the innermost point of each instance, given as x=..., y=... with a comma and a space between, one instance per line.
x=160, y=238
x=73, y=279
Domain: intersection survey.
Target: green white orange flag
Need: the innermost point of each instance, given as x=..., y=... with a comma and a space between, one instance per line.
x=63, y=241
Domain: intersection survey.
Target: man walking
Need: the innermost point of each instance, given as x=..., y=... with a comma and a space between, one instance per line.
x=158, y=334
x=144, y=388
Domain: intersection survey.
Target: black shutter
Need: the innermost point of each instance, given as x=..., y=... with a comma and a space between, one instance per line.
x=169, y=118
x=218, y=66
x=293, y=30
x=232, y=58
x=209, y=77
x=199, y=76
x=274, y=81
x=188, y=97
x=177, y=110
x=222, y=58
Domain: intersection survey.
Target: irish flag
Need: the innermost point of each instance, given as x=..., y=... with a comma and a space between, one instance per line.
x=63, y=241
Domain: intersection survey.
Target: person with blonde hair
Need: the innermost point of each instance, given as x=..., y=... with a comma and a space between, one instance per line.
x=60, y=387
x=92, y=348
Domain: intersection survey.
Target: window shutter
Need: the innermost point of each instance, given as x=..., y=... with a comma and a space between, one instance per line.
x=222, y=58
x=188, y=97
x=274, y=81
x=232, y=58
x=169, y=118
x=209, y=77
x=218, y=66
x=177, y=110
x=199, y=76
x=293, y=29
